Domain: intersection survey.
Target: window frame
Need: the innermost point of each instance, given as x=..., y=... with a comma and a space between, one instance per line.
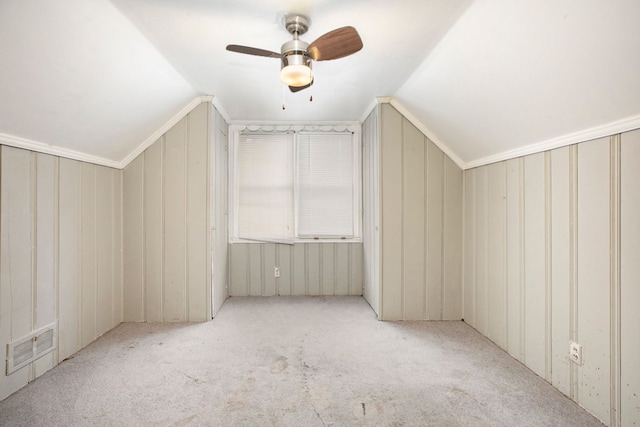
x=235, y=130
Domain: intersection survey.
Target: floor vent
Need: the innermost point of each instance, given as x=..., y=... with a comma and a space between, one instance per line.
x=31, y=347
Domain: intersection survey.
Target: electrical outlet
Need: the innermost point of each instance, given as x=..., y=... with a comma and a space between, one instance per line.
x=276, y=271
x=575, y=352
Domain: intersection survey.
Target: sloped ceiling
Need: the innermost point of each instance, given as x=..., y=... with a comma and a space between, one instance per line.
x=485, y=79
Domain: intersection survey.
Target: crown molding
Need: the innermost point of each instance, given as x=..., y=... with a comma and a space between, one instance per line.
x=216, y=103
x=164, y=129
x=54, y=150
x=370, y=108
x=424, y=129
x=608, y=129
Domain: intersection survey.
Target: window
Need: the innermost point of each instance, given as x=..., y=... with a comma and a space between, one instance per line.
x=295, y=186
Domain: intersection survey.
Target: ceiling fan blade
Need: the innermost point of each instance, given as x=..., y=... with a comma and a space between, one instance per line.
x=335, y=44
x=252, y=51
x=295, y=89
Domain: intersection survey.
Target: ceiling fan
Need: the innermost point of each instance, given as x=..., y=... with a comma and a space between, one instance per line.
x=296, y=55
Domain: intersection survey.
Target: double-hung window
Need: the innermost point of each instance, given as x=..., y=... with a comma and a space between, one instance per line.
x=295, y=186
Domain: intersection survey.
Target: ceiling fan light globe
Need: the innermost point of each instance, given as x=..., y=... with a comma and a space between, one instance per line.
x=296, y=70
x=296, y=75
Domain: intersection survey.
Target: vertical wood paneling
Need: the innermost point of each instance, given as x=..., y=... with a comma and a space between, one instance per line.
x=117, y=228
x=16, y=257
x=88, y=255
x=594, y=275
x=452, y=249
x=46, y=250
x=514, y=257
x=629, y=274
x=496, y=241
x=560, y=269
x=171, y=218
x=153, y=235
x=482, y=247
x=414, y=194
x=69, y=255
x=133, y=241
x=534, y=264
x=312, y=266
x=571, y=267
x=104, y=250
x=197, y=218
x=238, y=271
x=268, y=269
x=303, y=266
x=218, y=194
x=470, y=244
x=413, y=220
x=299, y=271
x=391, y=202
x=57, y=229
x=434, y=237
x=356, y=271
x=614, y=280
x=283, y=259
x=370, y=191
x=327, y=269
x=255, y=267
x=175, y=255
x=343, y=254
x=46, y=218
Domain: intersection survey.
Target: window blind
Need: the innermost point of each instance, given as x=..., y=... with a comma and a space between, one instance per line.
x=325, y=185
x=265, y=203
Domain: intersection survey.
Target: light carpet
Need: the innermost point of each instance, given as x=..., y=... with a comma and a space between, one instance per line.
x=292, y=361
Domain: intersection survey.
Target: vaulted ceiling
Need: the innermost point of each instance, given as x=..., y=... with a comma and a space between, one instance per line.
x=484, y=79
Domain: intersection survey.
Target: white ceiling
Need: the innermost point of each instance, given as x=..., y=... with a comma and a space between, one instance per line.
x=484, y=78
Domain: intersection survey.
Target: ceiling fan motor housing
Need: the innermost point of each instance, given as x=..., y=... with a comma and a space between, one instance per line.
x=297, y=61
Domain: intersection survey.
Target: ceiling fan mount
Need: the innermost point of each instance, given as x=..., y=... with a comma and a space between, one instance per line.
x=297, y=55
x=296, y=24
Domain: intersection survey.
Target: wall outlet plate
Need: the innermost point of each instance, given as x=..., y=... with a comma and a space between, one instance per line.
x=276, y=271
x=575, y=352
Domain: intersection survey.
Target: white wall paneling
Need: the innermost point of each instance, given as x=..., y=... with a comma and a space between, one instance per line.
x=420, y=224
x=535, y=264
x=594, y=219
x=134, y=304
x=371, y=209
x=61, y=254
x=496, y=265
x=551, y=244
x=514, y=255
x=629, y=374
x=46, y=251
x=218, y=211
x=562, y=277
x=305, y=269
x=452, y=241
x=170, y=218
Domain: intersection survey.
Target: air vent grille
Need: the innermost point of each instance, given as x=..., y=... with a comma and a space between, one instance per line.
x=31, y=347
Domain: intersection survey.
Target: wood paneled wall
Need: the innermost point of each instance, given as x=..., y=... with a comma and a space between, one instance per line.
x=551, y=256
x=371, y=209
x=420, y=224
x=305, y=269
x=61, y=254
x=167, y=236
x=218, y=211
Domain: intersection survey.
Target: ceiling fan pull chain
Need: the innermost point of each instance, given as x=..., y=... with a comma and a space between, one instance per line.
x=283, y=91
